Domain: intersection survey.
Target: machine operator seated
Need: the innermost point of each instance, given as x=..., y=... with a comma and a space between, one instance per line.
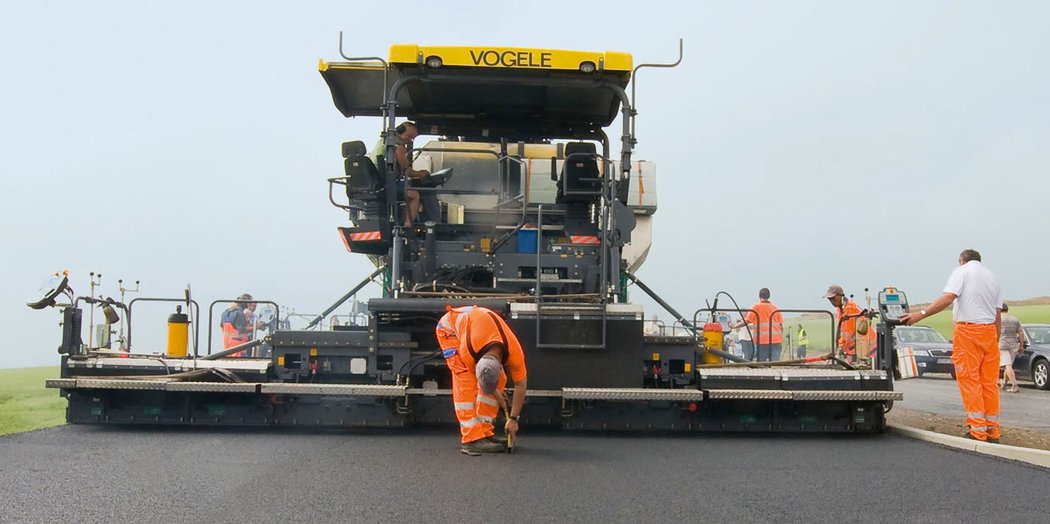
x=406, y=132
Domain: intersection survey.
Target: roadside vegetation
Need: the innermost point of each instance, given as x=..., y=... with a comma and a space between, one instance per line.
x=25, y=404
x=1027, y=314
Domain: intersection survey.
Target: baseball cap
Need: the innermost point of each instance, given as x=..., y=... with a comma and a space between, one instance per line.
x=834, y=290
x=488, y=371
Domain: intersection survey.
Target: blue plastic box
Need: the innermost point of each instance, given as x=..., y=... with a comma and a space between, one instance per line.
x=527, y=240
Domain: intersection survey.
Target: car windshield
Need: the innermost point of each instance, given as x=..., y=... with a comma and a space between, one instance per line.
x=919, y=335
x=1038, y=334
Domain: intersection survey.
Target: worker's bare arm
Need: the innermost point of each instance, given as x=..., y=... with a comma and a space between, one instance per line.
x=937, y=306
x=401, y=153
x=516, y=403
x=998, y=322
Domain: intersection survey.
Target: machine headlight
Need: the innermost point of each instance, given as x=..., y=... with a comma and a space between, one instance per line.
x=922, y=353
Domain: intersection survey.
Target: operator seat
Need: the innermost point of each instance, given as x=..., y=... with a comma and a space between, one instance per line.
x=363, y=178
x=579, y=181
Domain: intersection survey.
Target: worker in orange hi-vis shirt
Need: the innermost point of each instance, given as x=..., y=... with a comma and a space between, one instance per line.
x=975, y=344
x=479, y=346
x=848, y=309
x=767, y=327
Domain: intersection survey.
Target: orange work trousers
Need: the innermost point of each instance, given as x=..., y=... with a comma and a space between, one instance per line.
x=474, y=410
x=975, y=352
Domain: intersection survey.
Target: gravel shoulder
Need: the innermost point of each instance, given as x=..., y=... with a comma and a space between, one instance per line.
x=956, y=426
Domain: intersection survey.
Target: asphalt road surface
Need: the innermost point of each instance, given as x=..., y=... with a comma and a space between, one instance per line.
x=939, y=394
x=101, y=474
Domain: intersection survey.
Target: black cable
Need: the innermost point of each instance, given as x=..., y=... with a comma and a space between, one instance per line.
x=740, y=312
x=421, y=359
x=432, y=356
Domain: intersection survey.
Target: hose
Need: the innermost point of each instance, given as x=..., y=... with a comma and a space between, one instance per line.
x=723, y=354
x=417, y=361
x=739, y=311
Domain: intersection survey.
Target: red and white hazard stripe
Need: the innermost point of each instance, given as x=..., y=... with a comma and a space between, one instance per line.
x=584, y=239
x=364, y=236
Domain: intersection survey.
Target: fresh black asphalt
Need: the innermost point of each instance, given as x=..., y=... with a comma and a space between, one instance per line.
x=111, y=474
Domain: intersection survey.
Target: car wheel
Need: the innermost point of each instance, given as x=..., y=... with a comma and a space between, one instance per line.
x=1041, y=374
x=953, y=374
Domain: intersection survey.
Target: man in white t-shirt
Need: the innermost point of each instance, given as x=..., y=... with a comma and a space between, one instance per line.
x=975, y=345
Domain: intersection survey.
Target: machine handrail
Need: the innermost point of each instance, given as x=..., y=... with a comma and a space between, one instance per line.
x=539, y=295
x=196, y=311
x=769, y=325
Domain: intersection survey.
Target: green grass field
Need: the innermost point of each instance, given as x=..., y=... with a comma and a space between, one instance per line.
x=1039, y=314
x=25, y=404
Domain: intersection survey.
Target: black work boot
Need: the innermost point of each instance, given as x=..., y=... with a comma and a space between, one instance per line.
x=484, y=445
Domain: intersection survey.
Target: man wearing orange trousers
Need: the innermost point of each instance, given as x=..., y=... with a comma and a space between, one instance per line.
x=479, y=347
x=975, y=345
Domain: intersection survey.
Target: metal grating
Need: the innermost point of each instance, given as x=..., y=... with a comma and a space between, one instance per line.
x=819, y=374
x=213, y=387
x=748, y=394
x=351, y=390
x=759, y=394
x=107, y=383
x=847, y=395
x=736, y=372
x=151, y=385
x=632, y=394
x=61, y=383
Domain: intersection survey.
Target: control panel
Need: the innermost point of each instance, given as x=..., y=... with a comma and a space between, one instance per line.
x=893, y=304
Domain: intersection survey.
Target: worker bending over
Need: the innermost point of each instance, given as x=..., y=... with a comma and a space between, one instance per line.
x=479, y=347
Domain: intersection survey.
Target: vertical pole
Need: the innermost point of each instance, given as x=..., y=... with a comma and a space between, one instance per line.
x=395, y=272
x=539, y=242
x=539, y=268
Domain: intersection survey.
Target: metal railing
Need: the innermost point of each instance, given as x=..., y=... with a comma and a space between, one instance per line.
x=195, y=315
x=756, y=335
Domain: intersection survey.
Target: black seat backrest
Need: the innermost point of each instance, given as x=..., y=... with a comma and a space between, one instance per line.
x=362, y=172
x=579, y=173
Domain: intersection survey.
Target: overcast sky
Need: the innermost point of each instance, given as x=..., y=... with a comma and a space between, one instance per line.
x=799, y=144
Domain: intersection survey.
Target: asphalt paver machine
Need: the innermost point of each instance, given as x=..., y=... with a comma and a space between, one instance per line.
x=526, y=211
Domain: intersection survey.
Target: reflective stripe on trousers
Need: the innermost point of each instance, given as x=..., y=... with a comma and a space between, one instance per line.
x=485, y=399
x=474, y=412
x=975, y=352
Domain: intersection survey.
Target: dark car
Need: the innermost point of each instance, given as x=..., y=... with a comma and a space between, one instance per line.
x=1034, y=363
x=933, y=352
